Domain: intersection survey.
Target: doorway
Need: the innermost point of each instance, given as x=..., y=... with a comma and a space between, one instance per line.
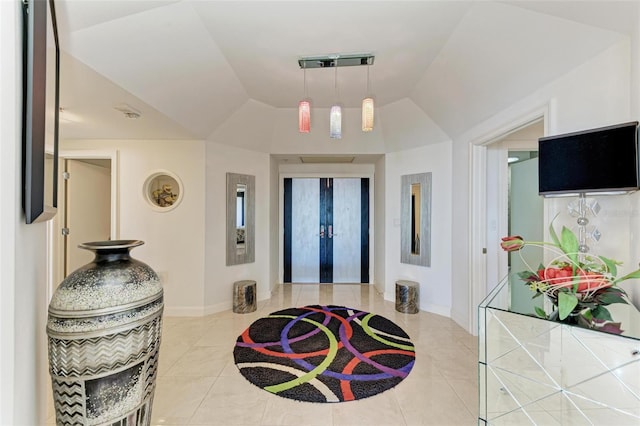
x=87, y=208
x=326, y=230
x=489, y=201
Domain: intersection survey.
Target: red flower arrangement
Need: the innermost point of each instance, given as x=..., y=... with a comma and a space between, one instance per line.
x=580, y=285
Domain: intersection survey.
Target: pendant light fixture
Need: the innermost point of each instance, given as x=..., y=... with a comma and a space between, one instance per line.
x=304, y=108
x=367, y=108
x=335, y=116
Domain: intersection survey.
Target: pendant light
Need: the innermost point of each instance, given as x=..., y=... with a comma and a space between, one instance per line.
x=367, y=108
x=335, y=116
x=304, y=109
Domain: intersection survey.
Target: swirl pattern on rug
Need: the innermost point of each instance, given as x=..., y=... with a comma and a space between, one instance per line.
x=324, y=353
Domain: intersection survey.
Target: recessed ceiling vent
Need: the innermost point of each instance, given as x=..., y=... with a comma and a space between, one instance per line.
x=327, y=160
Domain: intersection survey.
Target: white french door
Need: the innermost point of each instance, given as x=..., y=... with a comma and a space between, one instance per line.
x=326, y=224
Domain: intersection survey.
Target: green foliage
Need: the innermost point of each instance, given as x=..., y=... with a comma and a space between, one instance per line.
x=569, y=244
x=566, y=303
x=540, y=312
x=580, y=285
x=601, y=313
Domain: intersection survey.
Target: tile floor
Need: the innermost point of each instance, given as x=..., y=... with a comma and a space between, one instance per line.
x=199, y=384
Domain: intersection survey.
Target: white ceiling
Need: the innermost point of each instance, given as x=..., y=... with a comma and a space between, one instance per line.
x=189, y=65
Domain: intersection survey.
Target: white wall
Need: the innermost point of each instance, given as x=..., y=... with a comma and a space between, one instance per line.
x=23, y=368
x=379, y=224
x=406, y=126
x=596, y=93
x=435, y=280
x=174, y=240
x=274, y=223
x=219, y=278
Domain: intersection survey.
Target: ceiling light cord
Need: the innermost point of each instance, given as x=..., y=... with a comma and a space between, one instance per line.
x=335, y=64
x=368, y=81
x=304, y=78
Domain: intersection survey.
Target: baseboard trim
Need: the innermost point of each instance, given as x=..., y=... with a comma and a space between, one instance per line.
x=445, y=311
x=201, y=311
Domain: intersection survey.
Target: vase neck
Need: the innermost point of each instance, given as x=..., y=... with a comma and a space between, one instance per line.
x=112, y=250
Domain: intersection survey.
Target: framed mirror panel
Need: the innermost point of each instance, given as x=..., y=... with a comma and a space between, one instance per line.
x=415, y=222
x=240, y=219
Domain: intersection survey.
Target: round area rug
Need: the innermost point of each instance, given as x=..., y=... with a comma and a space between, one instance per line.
x=324, y=354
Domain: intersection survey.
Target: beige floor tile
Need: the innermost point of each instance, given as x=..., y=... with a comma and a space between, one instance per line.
x=232, y=401
x=379, y=410
x=177, y=398
x=287, y=412
x=199, y=383
x=467, y=391
x=201, y=362
x=169, y=354
x=433, y=402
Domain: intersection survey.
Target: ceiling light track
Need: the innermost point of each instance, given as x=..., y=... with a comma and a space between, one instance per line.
x=329, y=61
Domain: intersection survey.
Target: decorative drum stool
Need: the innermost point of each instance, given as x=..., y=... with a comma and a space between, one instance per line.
x=244, y=296
x=407, y=296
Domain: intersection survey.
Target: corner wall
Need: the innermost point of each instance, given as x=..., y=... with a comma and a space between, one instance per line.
x=594, y=94
x=435, y=280
x=379, y=224
x=219, y=278
x=174, y=240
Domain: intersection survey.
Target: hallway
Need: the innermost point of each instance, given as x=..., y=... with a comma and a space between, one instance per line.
x=199, y=384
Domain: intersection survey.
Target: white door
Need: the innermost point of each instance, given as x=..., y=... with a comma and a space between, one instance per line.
x=326, y=235
x=305, y=248
x=346, y=230
x=87, y=208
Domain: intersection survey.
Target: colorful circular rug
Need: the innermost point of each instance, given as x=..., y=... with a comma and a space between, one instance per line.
x=324, y=354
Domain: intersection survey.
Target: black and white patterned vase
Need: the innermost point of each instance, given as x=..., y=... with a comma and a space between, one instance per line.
x=104, y=327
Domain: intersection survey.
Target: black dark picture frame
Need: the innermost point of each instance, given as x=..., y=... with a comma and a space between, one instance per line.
x=40, y=110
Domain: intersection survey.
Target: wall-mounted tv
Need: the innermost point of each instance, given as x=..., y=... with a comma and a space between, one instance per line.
x=602, y=161
x=40, y=109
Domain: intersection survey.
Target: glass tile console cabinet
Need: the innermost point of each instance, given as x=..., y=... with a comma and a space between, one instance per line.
x=538, y=372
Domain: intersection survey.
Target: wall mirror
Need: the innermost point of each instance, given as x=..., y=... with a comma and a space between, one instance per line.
x=415, y=203
x=240, y=219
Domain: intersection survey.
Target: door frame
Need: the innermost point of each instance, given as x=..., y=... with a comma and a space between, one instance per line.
x=478, y=201
x=56, y=242
x=318, y=175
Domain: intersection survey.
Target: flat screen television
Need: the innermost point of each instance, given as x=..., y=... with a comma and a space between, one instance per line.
x=596, y=161
x=40, y=109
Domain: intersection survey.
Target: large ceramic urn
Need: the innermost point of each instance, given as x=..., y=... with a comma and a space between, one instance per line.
x=104, y=327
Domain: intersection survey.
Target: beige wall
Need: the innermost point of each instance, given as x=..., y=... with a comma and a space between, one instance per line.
x=435, y=280
x=174, y=240
x=219, y=278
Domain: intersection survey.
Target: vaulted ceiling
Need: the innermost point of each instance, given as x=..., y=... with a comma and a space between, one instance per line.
x=188, y=65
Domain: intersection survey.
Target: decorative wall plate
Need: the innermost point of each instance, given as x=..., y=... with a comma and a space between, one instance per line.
x=163, y=190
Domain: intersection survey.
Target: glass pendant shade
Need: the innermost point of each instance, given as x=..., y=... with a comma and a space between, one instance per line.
x=335, y=122
x=304, y=116
x=367, y=114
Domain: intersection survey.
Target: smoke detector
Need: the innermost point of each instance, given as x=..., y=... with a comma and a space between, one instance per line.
x=128, y=111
